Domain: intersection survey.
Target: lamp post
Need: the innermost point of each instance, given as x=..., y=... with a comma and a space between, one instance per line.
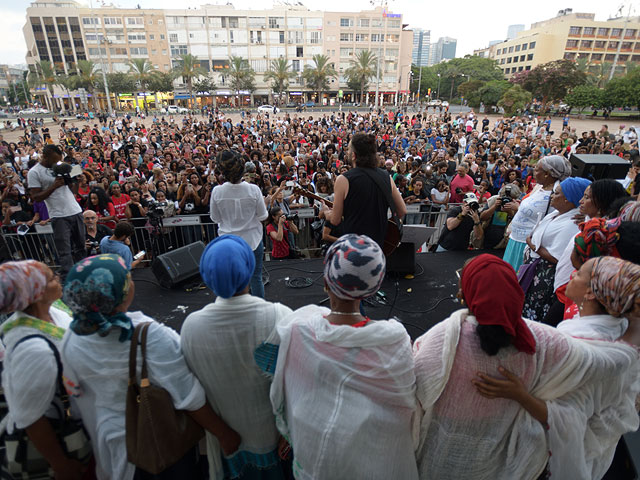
x=622, y=33
x=438, y=89
x=104, y=75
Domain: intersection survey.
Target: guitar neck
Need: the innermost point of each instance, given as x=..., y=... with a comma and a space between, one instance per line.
x=308, y=194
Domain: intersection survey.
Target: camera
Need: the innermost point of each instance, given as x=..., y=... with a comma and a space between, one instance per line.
x=291, y=217
x=474, y=206
x=458, y=191
x=66, y=171
x=155, y=212
x=506, y=198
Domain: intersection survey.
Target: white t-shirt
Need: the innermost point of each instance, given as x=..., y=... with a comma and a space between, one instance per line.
x=531, y=210
x=61, y=202
x=239, y=209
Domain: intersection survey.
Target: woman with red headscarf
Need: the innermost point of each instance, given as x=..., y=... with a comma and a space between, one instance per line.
x=465, y=431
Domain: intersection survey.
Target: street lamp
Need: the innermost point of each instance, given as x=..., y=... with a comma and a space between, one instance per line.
x=104, y=75
x=438, y=90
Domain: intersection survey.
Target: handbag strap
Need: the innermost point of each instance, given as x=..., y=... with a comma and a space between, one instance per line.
x=64, y=396
x=144, y=377
x=384, y=187
x=133, y=350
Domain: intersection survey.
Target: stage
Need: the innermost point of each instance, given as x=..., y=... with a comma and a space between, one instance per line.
x=419, y=302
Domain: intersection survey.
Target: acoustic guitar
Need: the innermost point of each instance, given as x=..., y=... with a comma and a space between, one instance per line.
x=391, y=239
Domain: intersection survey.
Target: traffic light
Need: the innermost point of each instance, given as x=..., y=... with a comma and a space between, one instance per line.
x=428, y=92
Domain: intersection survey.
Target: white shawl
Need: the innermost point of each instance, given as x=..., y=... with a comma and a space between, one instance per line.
x=589, y=387
x=345, y=397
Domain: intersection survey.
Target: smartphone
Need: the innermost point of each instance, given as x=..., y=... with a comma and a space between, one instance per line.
x=139, y=255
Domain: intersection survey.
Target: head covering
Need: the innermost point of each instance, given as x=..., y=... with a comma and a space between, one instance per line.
x=227, y=265
x=94, y=287
x=115, y=182
x=616, y=285
x=21, y=284
x=491, y=289
x=557, y=166
x=389, y=163
x=470, y=197
x=630, y=212
x=573, y=189
x=354, y=267
x=597, y=238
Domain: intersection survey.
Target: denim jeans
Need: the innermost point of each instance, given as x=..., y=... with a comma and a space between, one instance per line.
x=68, y=236
x=255, y=284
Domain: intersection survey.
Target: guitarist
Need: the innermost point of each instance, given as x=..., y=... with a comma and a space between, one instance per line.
x=359, y=203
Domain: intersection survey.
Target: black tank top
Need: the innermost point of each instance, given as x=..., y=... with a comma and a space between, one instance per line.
x=365, y=208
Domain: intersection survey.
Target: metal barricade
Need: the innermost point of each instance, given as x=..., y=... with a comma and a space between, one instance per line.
x=434, y=216
x=37, y=244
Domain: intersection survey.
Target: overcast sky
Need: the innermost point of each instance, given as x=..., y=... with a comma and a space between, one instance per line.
x=472, y=23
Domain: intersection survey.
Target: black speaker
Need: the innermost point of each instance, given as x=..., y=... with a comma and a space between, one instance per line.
x=178, y=265
x=403, y=259
x=596, y=166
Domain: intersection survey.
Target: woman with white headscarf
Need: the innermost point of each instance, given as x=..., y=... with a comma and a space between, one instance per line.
x=548, y=172
x=344, y=386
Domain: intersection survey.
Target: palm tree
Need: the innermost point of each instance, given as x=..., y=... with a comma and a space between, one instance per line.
x=242, y=75
x=362, y=68
x=279, y=75
x=88, y=78
x=317, y=77
x=189, y=69
x=142, y=71
x=45, y=75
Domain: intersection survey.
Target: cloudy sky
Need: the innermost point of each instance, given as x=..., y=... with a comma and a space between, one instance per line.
x=472, y=23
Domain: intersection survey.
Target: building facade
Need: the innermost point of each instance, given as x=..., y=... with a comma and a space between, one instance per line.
x=421, y=47
x=10, y=78
x=443, y=49
x=570, y=36
x=513, y=30
x=65, y=32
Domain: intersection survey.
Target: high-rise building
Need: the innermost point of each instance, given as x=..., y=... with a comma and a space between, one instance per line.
x=10, y=77
x=64, y=32
x=443, y=49
x=570, y=36
x=513, y=30
x=421, y=47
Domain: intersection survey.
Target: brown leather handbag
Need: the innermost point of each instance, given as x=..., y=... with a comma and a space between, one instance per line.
x=158, y=435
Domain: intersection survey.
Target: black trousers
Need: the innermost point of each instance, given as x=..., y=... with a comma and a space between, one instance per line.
x=69, y=236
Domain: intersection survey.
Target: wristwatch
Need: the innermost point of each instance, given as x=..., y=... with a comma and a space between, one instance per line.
x=476, y=224
x=460, y=217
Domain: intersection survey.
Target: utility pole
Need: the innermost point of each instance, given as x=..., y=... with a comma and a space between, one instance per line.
x=624, y=30
x=104, y=75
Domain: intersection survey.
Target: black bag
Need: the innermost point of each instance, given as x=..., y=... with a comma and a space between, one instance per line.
x=23, y=460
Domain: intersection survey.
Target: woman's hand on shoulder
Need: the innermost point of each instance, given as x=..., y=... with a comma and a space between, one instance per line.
x=510, y=387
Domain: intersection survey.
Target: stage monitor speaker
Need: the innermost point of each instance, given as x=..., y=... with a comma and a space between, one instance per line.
x=178, y=265
x=403, y=259
x=596, y=166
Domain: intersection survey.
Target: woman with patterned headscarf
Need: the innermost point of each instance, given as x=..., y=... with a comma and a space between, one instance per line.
x=238, y=208
x=513, y=397
x=344, y=387
x=548, y=172
x=99, y=291
x=29, y=290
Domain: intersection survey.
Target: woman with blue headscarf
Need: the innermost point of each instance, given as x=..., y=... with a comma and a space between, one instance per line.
x=219, y=343
x=99, y=291
x=545, y=246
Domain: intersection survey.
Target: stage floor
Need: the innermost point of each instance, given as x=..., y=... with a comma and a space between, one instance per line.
x=419, y=302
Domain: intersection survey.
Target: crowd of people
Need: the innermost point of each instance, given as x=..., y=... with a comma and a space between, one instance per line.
x=538, y=375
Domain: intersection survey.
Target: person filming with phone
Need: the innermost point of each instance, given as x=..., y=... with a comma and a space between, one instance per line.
x=120, y=244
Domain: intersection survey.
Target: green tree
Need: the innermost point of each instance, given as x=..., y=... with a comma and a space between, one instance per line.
x=142, y=71
x=317, y=76
x=362, y=69
x=491, y=93
x=118, y=82
x=189, y=69
x=469, y=87
x=88, y=78
x=584, y=96
x=204, y=84
x=279, y=74
x=68, y=83
x=551, y=81
x=242, y=76
x=514, y=100
x=44, y=75
x=624, y=91
x=161, y=82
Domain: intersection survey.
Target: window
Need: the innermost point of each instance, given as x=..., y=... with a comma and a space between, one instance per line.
x=362, y=37
x=94, y=52
x=177, y=50
x=135, y=21
x=509, y=60
x=164, y=52
x=569, y=55
x=530, y=57
x=137, y=37
x=276, y=22
x=376, y=23
x=113, y=20
x=603, y=32
x=316, y=38
x=230, y=36
x=510, y=49
x=588, y=31
x=364, y=22
x=233, y=22
x=572, y=43
x=346, y=52
x=522, y=57
x=118, y=51
x=299, y=52
x=138, y=51
x=596, y=57
x=626, y=45
x=600, y=44
x=377, y=37
x=524, y=46
x=498, y=52
x=575, y=30
x=609, y=57
x=91, y=38
x=281, y=36
x=348, y=37
x=346, y=22
x=613, y=44
x=532, y=45
x=520, y=69
x=616, y=32
x=623, y=58
x=630, y=33
x=173, y=37
x=90, y=21
x=586, y=44
x=502, y=61
x=295, y=65
x=154, y=52
x=162, y=37
x=152, y=36
x=517, y=48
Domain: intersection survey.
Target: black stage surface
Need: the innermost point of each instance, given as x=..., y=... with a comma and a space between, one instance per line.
x=419, y=302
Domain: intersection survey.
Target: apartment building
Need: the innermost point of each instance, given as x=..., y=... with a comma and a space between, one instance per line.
x=421, y=47
x=10, y=78
x=63, y=32
x=570, y=36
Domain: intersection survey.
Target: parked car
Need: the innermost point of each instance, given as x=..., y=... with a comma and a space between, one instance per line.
x=434, y=103
x=445, y=104
x=310, y=104
x=27, y=111
x=41, y=111
x=292, y=104
x=173, y=109
x=268, y=109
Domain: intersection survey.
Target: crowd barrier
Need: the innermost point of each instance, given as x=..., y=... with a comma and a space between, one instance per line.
x=157, y=237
